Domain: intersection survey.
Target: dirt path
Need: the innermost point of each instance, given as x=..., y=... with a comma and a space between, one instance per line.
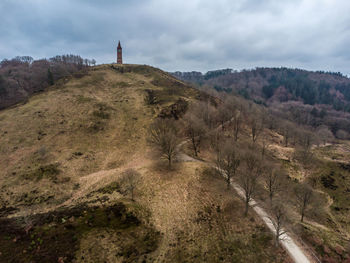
x=293, y=249
x=88, y=183
x=286, y=240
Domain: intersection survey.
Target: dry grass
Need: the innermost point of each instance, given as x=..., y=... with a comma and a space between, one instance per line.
x=327, y=219
x=202, y=221
x=94, y=128
x=89, y=125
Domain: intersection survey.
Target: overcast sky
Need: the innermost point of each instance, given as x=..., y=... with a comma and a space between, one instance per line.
x=183, y=35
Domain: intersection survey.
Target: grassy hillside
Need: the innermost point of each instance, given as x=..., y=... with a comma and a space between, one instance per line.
x=77, y=128
x=62, y=155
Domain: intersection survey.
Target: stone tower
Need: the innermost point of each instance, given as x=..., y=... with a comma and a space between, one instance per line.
x=119, y=54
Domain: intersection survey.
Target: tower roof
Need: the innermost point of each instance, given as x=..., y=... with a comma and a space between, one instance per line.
x=119, y=46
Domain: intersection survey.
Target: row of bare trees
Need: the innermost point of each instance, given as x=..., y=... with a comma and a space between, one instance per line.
x=247, y=164
x=251, y=172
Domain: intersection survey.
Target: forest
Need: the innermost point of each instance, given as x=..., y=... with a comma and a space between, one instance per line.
x=22, y=76
x=304, y=97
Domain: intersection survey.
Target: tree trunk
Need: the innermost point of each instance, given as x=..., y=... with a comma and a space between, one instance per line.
x=194, y=146
x=270, y=195
x=277, y=239
x=169, y=164
x=235, y=133
x=228, y=180
x=302, y=216
x=246, y=207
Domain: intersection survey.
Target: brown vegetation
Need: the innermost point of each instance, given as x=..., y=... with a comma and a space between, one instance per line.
x=88, y=142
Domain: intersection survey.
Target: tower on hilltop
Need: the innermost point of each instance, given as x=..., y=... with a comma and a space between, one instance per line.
x=119, y=54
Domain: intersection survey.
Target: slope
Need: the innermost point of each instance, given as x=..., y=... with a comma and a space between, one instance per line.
x=77, y=128
x=62, y=155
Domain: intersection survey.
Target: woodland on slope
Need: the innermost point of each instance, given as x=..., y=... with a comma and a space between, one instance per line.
x=306, y=97
x=23, y=76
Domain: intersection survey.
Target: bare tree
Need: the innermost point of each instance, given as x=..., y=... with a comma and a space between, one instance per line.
x=249, y=176
x=236, y=109
x=237, y=122
x=195, y=130
x=286, y=132
x=278, y=219
x=343, y=135
x=294, y=134
x=271, y=121
x=224, y=114
x=130, y=181
x=303, y=152
x=256, y=126
x=303, y=193
x=206, y=112
x=215, y=137
x=228, y=160
x=306, y=139
x=324, y=133
x=163, y=135
x=273, y=180
x=264, y=146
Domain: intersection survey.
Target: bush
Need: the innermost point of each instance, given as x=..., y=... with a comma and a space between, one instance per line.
x=343, y=135
x=102, y=111
x=49, y=171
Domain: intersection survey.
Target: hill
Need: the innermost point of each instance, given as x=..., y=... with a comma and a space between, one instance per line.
x=63, y=155
x=306, y=97
x=281, y=84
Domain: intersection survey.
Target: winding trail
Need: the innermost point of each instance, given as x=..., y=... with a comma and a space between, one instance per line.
x=293, y=249
x=286, y=240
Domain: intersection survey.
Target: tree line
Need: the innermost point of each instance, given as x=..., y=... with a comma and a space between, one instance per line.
x=306, y=97
x=22, y=76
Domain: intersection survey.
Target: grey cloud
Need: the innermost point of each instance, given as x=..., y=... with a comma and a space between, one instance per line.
x=183, y=35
